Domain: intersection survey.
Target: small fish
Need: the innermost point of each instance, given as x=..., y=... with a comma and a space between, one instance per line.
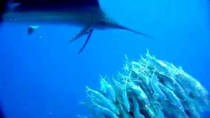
x=125, y=99
x=136, y=106
x=124, y=113
x=86, y=13
x=171, y=96
x=31, y=29
x=105, y=111
x=97, y=96
x=155, y=87
x=107, y=89
x=141, y=95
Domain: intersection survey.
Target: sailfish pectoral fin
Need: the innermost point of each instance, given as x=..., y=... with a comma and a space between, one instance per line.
x=81, y=33
x=88, y=38
x=84, y=31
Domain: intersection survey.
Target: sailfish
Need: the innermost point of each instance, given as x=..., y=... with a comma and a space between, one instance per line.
x=86, y=13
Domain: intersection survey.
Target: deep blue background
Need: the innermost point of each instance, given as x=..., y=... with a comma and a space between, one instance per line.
x=45, y=78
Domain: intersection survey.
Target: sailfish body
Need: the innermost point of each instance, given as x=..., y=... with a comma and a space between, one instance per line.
x=86, y=13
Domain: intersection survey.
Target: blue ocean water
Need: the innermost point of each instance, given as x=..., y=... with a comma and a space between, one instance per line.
x=41, y=76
